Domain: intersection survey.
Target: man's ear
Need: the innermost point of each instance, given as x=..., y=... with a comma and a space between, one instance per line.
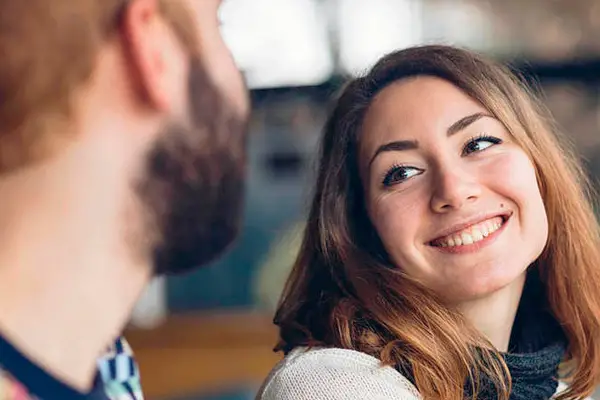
x=147, y=44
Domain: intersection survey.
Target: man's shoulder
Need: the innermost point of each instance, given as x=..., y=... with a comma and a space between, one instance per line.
x=120, y=373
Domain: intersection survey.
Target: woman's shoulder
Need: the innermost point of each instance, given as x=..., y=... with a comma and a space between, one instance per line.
x=562, y=387
x=334, y=374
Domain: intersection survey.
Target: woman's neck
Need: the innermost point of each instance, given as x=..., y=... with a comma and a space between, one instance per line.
x=494, y=315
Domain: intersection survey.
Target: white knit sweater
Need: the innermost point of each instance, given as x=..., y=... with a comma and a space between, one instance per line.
x=336, y=374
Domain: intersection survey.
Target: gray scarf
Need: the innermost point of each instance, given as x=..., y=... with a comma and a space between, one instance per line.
x=537, y=347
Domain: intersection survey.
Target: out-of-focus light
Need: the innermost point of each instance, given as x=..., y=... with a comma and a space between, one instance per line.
x=151, y=309
x=278, y=42
x=369, y=29
x=459, y=22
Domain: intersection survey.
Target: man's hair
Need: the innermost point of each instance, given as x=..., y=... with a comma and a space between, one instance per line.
x=48, y=50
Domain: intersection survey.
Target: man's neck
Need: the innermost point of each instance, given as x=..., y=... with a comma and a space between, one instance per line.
x=67, y=281
x=494, y=315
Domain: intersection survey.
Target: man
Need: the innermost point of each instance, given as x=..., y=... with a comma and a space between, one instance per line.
x=121, y=157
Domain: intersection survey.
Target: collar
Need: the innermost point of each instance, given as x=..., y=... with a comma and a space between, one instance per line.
x=38, y=381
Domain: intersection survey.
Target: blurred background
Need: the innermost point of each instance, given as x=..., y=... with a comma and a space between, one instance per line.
x=208, y=336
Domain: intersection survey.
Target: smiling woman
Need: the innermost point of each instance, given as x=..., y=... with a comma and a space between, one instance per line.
x=451, y=250
x=474, y=179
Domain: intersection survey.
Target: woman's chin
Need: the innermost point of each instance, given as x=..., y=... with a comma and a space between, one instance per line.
x=478, y=286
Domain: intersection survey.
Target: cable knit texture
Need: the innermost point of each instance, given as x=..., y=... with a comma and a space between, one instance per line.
x=334, y=374
x=534, y=375
x=536, y=349
x=337, y=374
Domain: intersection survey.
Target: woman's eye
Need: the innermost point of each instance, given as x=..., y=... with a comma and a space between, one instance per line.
x=399, y=174
x=480, y=143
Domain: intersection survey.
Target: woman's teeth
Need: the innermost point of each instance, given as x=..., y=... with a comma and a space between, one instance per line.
x=470, y=235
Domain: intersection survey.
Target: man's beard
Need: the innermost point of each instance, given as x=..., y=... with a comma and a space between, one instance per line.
x=192, y=188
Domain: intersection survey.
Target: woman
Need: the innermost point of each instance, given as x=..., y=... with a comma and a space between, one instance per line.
x=451, y=250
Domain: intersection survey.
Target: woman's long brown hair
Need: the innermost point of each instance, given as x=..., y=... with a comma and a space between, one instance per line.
x=344, y=292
